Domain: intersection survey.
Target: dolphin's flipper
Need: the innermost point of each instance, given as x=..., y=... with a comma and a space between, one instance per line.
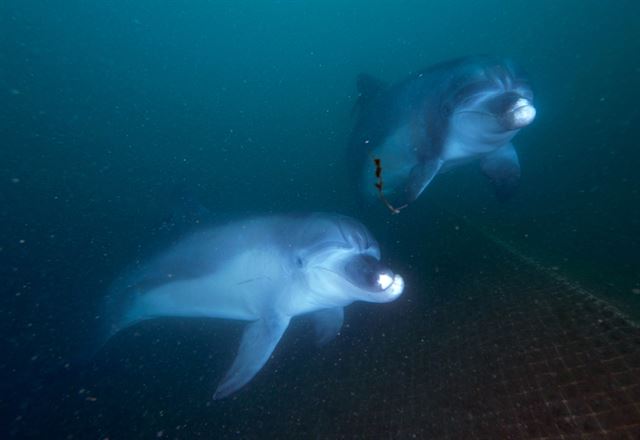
x=258, y=341
x=420, y=176
x=327, y=323
x=503, y=170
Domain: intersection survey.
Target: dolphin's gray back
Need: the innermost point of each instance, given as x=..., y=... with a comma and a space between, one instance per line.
x=380, y=115
x=197, y=254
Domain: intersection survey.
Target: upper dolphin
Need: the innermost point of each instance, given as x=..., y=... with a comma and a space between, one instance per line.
x=265, y=270
x=448, y=114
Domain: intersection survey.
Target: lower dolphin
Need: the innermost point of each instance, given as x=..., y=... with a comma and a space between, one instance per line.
x=264, y=270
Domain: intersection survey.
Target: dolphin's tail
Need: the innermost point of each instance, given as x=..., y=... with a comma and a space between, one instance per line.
x=113, y=317
x=118, y=311
x=118, y=308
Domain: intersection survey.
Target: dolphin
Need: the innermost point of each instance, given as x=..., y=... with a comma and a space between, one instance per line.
x=436, y=119
x=264, y=270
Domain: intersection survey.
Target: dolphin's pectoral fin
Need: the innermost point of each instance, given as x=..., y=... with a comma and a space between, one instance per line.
x=420, y=176
x=327, y=323
x=502, y=168
x=258, y=341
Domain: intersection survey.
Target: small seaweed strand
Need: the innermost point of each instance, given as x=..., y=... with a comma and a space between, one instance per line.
x=379, y=184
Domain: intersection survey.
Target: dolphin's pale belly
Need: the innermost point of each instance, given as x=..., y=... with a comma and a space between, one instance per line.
x=460, y=151
x=238, y=289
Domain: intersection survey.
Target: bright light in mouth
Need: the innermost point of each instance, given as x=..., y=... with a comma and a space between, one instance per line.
x=384, y=280
x=523, y=112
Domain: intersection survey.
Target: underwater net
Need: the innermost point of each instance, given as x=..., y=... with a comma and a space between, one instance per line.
x=485, y=344
x=509, y=349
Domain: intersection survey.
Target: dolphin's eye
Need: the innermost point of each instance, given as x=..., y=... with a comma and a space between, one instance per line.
x=299, y=262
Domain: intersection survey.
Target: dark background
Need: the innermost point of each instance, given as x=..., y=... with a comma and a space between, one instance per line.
x=107, y=107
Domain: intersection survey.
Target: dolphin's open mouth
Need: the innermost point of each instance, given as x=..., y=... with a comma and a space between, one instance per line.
x=385, y=282
x=522, y=114
x=519, y=114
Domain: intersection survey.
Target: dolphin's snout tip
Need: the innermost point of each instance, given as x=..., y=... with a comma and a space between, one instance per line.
x=396, y=287
x=522, y=114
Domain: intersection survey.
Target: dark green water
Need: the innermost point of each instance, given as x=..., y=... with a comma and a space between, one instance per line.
x=107, y=107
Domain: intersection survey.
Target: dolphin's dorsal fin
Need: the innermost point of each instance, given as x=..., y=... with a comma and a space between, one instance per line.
x=258, y=341
x=187, y=213
x=189, y=210
x=368, y=88
x=368, y=85
x=327, y=323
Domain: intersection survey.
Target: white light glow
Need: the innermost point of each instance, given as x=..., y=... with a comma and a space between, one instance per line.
x=384, y=280
x=523, y=112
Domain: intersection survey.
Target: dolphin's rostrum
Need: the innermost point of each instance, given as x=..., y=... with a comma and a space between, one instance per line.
x=265, y=270
x=438, y=118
